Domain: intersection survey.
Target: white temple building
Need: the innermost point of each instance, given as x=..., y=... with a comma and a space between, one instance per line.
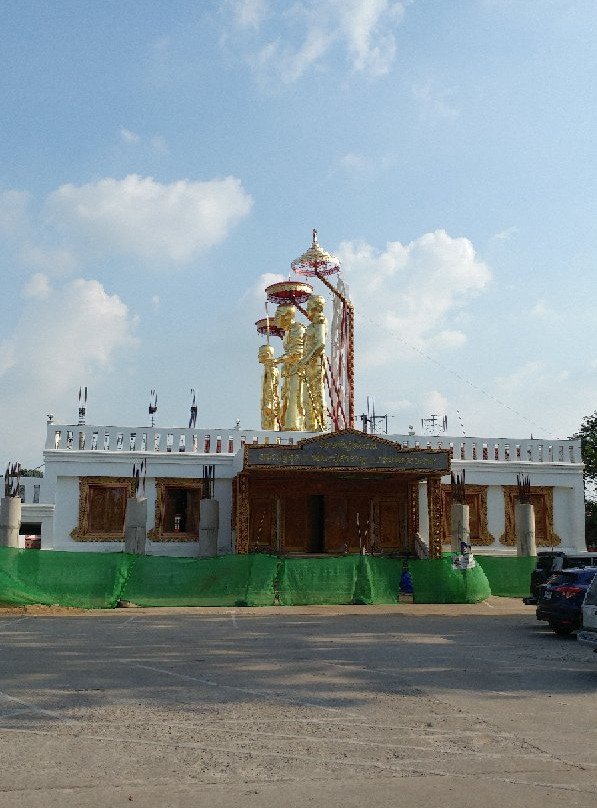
x=79, y=504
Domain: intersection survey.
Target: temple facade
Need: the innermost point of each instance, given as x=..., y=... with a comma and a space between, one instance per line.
x=291, y=492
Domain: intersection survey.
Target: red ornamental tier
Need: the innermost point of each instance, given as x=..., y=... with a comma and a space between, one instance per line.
x=289, y=293
x=316, y=261
x=267, y=326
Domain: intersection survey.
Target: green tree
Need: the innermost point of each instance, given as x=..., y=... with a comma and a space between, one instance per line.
x=591, y=524
x=31, y=473
x=588, y=441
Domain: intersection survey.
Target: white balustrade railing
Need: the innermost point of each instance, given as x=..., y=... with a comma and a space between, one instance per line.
x=502, y=450
x=148, y=440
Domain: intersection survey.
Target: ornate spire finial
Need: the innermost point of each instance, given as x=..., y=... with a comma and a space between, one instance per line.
x=315, y=261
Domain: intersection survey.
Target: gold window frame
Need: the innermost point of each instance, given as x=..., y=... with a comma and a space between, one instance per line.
x=508, y=537
x=157, y=533
x=478, y=493
x=82, y=531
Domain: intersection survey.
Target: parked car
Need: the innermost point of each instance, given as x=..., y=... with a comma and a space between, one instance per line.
x=551, y=561
x=562, y=596
x=587, y=636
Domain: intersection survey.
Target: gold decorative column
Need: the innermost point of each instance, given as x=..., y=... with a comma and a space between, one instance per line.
x=434, y=503
x=242, y=513
x=413, y=513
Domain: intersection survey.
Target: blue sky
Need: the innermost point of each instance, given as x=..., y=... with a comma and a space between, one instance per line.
x=161, y=162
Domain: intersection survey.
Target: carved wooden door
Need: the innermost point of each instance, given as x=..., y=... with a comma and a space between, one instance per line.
x=391, y=531
x=347, y=522
x=262, y=522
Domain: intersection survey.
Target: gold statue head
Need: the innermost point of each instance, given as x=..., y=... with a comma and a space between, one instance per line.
x=315, y=305
x=266, y=354
x=285, y=316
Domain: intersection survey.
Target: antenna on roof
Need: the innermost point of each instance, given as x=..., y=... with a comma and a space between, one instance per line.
x=82, y=405
x=193, y=418
x=370, y=419
x=432, y=426
x=153, y=405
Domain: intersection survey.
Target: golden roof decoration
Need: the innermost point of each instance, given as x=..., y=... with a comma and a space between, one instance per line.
x=288, y=292
x=267, y=326
x=316, y=261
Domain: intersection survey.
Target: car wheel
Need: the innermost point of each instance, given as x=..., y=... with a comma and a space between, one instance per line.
x=561, y=628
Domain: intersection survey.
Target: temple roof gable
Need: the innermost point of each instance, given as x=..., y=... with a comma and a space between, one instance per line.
x=347, y=449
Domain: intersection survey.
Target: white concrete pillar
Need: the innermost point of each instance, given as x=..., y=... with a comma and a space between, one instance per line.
x=135, y=525
x=209, y=523
x=459, y=526
x=10, y=521
x=524, y=517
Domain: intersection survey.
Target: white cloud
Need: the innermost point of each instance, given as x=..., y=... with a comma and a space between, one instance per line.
x=434, y=102
x=355, y=162
x=13, y=212
x=533, y=375
x=505, y=235
x=435, y=403
x=361, y=168
x=55, y=260
x=367, y=28
x=64, y=331
x=405, y=295
x=291, y=63
x=397, y=405
x=446, y=339
x=141, y=217
x=38, y=286
x=159, y=144
x=542, y=311
x=64, y=335
x=249, y=13
x=307, y=33
x=255, y=295
x=128, y=136
x=7, y=355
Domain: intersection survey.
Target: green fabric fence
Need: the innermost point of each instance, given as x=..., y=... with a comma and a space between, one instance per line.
x=233, y=580
x=84, y=580
x=100, y=580
x=339, y=580
x=331, y=580
x=508, y=577
x=436, y=581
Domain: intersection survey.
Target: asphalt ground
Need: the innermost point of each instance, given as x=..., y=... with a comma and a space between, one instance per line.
x=411, y=705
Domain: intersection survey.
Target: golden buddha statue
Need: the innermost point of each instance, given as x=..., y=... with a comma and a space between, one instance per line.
x=270, y=396
x=312, y=365
x=291, y=408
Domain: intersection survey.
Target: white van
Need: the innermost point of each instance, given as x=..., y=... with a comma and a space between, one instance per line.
x=588, y=633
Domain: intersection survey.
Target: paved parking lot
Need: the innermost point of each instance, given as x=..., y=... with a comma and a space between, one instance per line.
x=451, y=706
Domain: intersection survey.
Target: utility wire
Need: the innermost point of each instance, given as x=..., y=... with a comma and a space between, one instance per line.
x=460, y=377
